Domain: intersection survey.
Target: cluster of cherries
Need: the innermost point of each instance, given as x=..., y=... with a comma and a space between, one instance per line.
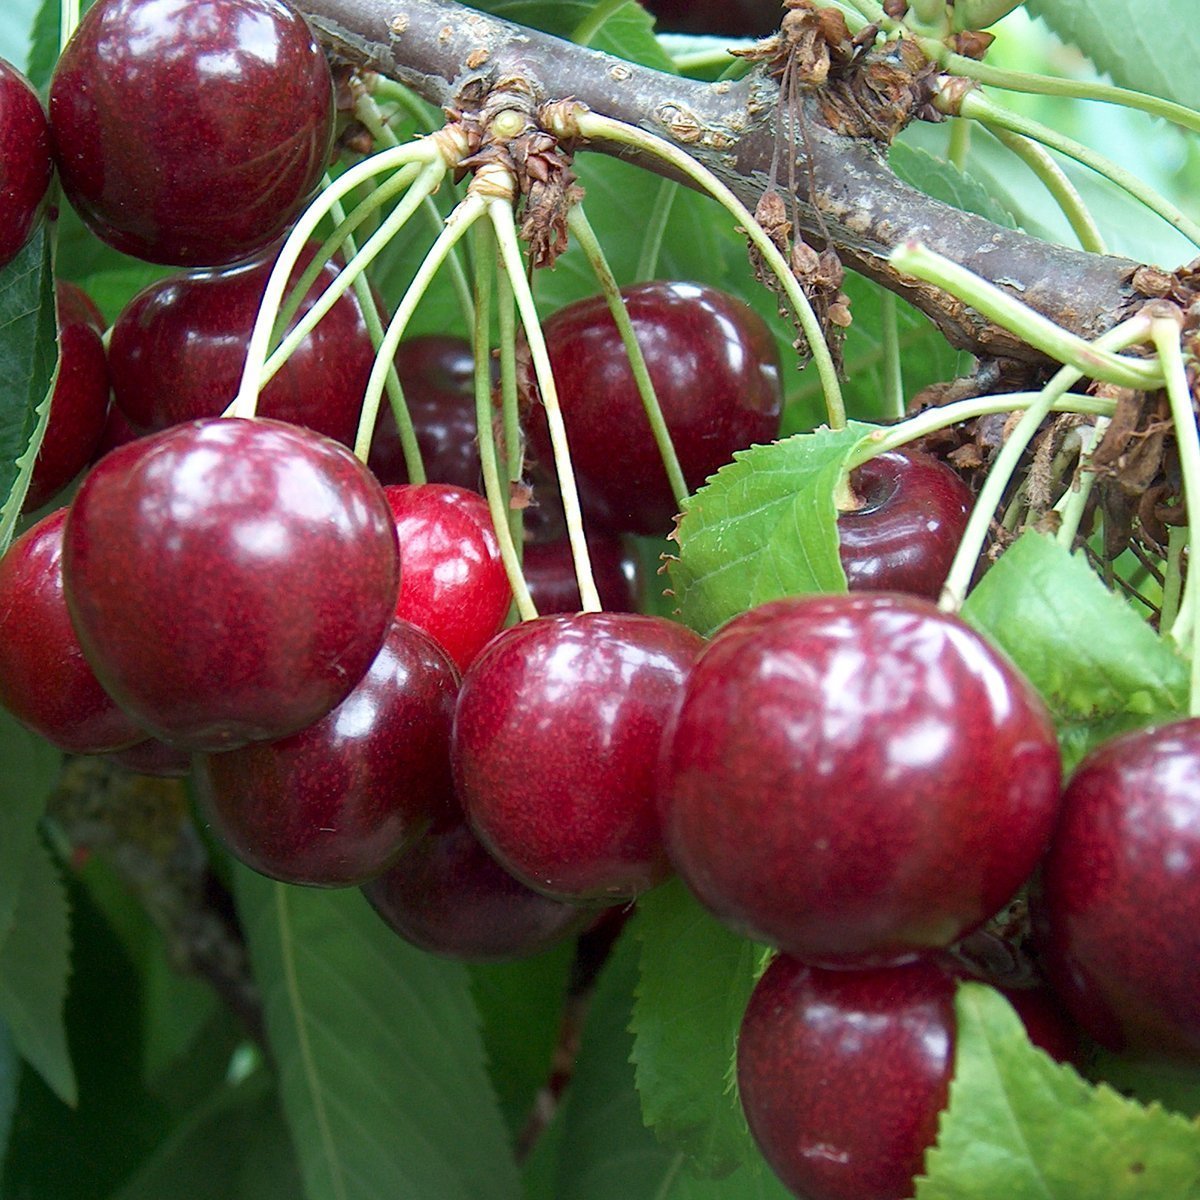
x=858, y=780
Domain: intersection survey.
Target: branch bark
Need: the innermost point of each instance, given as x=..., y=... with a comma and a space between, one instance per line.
x=441, y=49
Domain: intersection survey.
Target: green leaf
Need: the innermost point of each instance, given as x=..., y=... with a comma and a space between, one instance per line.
x=28, y=356
x=1098, y=665
x=1022, y=1127
x=43, y=43
x=35, y=963
x=696, y=979
x=1149, y=45
x=10, y=1078
x=763, y=527
x=944, y=181
x=381, y=1063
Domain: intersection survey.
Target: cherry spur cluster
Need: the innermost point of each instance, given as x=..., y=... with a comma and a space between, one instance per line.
x=858, y=780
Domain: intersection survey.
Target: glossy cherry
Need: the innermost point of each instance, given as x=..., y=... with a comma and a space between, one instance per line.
x=857, y=778
x=437, y=372
x=191, y=133
x=335, y=803
x=732, y=18
x=178, y=348
x=715, y=369
x=550, y=573
x=843, y=1074
x=1119, y=914
x=556, y=737
x=45, y=681
x=449, y=896
x=79, y=405
x=912, y=510
x=26, y=165
x=452, y=579
x=230, y=580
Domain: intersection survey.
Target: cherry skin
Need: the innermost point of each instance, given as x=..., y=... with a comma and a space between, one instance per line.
x=179, y=346
x=230, y=580
x=733, y=18
x=857, y=778
x=447, y=895
x=550, y=574
x=902, y=538
x=334, y=804
x=556, y=737
x=45, y=681
x=154, y=758
x=452, y=579
x=715, y=369
x=1118, y=917
x=79, y=405
x=27, y=165
x=843, y=1074
x=191, y=134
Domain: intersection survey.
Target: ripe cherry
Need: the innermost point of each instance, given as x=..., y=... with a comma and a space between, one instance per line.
x=550, y=573
x=452, y=579
x=178, y=348
x=153, y=757
x=715, y=369
x=733, y=18
x=856, y=778
x=230, y=580
x=27, y=166
x=191, y=134
x=556, y=740
x=337, y=802
x=911, y=515
x=1119, y=916
x=45, y=681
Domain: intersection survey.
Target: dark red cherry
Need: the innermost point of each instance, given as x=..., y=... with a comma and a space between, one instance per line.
x=731, y=18
x=25, y=163
x=79, y=405
x=117, y=431
x=902, y=537
x=715, y=369
x=449, y=896
x=334, y=804
x=153, y=757
x=178, y=348
x=1119, y=913
x=437, y=372
x=550, y=573
x=45, y=682
x=230, y=580
x=191, y=133
x=843, y=1074
x=857, y=778
x=452, y=579
x=556, y=738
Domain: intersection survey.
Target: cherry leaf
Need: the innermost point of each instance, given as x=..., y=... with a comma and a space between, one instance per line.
x=1022, y=1126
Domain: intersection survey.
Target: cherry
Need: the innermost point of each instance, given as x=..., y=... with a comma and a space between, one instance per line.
x=335, y=803
x=856, y=778
x=178, y=348
x=79, y=404
x=556, y=737
x=447, y=895
x=153, y=757
x=452, y=579
x=45, y=682
x=437, y=373
x=733, y=18
x=902, y=537
x=191, y=134
x=230, y=580
x=842, y=1074
x=27, y=165
x=550, y=573
x=715, y=369
x=1119, y=918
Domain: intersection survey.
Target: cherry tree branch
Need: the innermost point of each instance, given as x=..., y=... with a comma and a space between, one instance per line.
x=445, y=51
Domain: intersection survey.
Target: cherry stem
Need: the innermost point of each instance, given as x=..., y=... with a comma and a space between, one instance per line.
x=893, y=368
x=960, y=143
x=656, y=228
x=496, y=489
x=585, y=236
x=514, y=449
x=1177, y=540
x=1055, y=180
x=1073, y=502
x=1030, y=326
x=970, y=548
x=68, y=22
x=579, y=121
x=500, y=211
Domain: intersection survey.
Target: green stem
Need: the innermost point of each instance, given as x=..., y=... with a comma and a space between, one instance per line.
x=1177, y=539
x=585, y=236
x=960, y=143
x=1074, y=500
x=893, y=368
x=68, y=22
x=510, y=406
x=1030, y=326
x=656, y=228
x=592, y=125
x=1061, y=189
